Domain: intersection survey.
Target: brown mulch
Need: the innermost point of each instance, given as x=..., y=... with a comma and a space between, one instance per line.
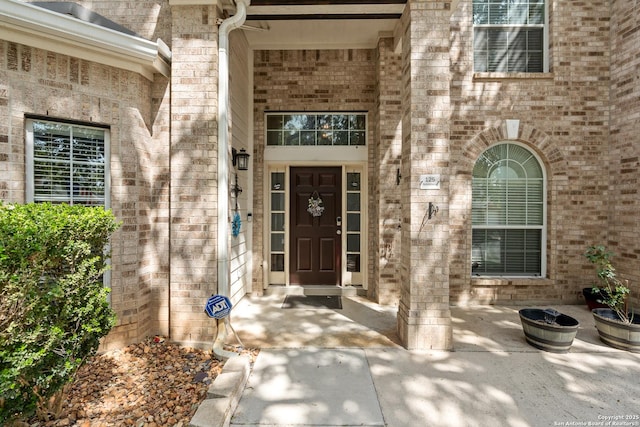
x=150, y=384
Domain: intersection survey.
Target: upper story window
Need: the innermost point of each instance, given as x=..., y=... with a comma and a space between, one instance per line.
x=320, y=129
x=509, y=36
x=67, y=163
x=508, y=213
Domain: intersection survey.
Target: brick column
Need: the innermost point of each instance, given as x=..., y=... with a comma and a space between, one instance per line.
x=385, y=286
x=424, y=317
x=194, y=86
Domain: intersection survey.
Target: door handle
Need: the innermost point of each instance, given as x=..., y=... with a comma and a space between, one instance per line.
x=338, y=221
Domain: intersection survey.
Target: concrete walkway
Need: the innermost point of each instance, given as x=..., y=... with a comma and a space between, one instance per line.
x=321, y=367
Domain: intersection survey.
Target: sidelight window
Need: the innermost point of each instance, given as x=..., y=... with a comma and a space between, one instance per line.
x=277, y=190
x=354, y=195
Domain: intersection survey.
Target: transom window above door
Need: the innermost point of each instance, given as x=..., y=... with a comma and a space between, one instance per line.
x=317, y=129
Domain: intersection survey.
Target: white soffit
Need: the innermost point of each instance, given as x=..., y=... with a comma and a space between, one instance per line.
x=320, y=26
x=34, y=26
x=327, y=9
x=318, y=34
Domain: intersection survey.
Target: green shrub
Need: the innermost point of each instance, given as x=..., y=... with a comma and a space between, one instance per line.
x=53, y=305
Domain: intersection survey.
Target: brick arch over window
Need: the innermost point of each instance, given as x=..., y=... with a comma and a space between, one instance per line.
x=540, y=141
x=463, y=288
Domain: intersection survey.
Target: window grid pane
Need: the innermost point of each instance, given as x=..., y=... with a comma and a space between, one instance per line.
x=274, y=137
x=353, y=263
x=277, y=262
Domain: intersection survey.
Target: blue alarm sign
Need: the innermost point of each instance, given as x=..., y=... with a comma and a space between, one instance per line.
x=218, y=306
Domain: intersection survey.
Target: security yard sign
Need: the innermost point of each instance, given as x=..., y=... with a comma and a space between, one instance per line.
x=218, y=307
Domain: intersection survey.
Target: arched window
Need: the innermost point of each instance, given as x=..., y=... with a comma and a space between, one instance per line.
x=508, y=213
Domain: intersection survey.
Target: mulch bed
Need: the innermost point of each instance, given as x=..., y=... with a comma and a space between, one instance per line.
x=149, y=384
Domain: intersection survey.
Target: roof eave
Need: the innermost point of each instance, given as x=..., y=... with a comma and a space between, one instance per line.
x=41, y=28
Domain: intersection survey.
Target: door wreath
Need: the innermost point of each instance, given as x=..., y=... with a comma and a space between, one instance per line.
x=315, y=207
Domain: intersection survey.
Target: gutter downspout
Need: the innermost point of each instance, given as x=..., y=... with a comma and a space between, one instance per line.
x=226, y=27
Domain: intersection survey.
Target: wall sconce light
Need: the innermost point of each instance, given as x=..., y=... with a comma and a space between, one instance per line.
x=240, y=159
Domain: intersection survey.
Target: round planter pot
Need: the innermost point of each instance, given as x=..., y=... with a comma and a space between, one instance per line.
x=548, y=329
x=625, y=336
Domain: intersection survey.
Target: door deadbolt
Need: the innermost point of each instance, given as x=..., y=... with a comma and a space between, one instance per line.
x=339, y=221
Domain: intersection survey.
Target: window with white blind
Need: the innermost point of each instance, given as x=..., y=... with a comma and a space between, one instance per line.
x=509, y=36
x=67, y=163
x=508, y=213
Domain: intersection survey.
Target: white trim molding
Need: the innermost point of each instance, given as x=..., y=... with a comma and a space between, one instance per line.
x=35, y=26
x=316, y=154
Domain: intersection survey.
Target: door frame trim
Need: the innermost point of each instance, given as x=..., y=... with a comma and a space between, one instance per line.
x=347, y=278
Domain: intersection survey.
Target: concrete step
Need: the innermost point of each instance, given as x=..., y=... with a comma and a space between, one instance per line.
x=315, y=290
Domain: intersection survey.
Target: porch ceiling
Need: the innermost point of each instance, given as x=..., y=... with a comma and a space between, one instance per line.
x=324, y=24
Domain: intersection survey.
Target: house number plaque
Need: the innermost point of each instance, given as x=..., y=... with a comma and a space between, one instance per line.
x=430, y=182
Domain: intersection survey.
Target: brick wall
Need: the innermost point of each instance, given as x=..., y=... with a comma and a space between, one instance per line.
x=38, y=82
x=624, y=177
x=563, y=118
x=155, y=235
x=194, y=172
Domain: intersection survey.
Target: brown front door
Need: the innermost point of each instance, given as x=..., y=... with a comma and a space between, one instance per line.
x=315, y=243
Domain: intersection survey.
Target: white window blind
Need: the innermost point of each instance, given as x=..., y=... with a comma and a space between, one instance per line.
x=67, y=163
x=509, y=35
x=508, y=212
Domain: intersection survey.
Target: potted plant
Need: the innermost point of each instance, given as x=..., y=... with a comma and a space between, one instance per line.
x=616, y=325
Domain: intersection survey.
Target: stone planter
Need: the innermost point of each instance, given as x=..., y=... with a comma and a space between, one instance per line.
x=625, y=336
x=548, y=329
